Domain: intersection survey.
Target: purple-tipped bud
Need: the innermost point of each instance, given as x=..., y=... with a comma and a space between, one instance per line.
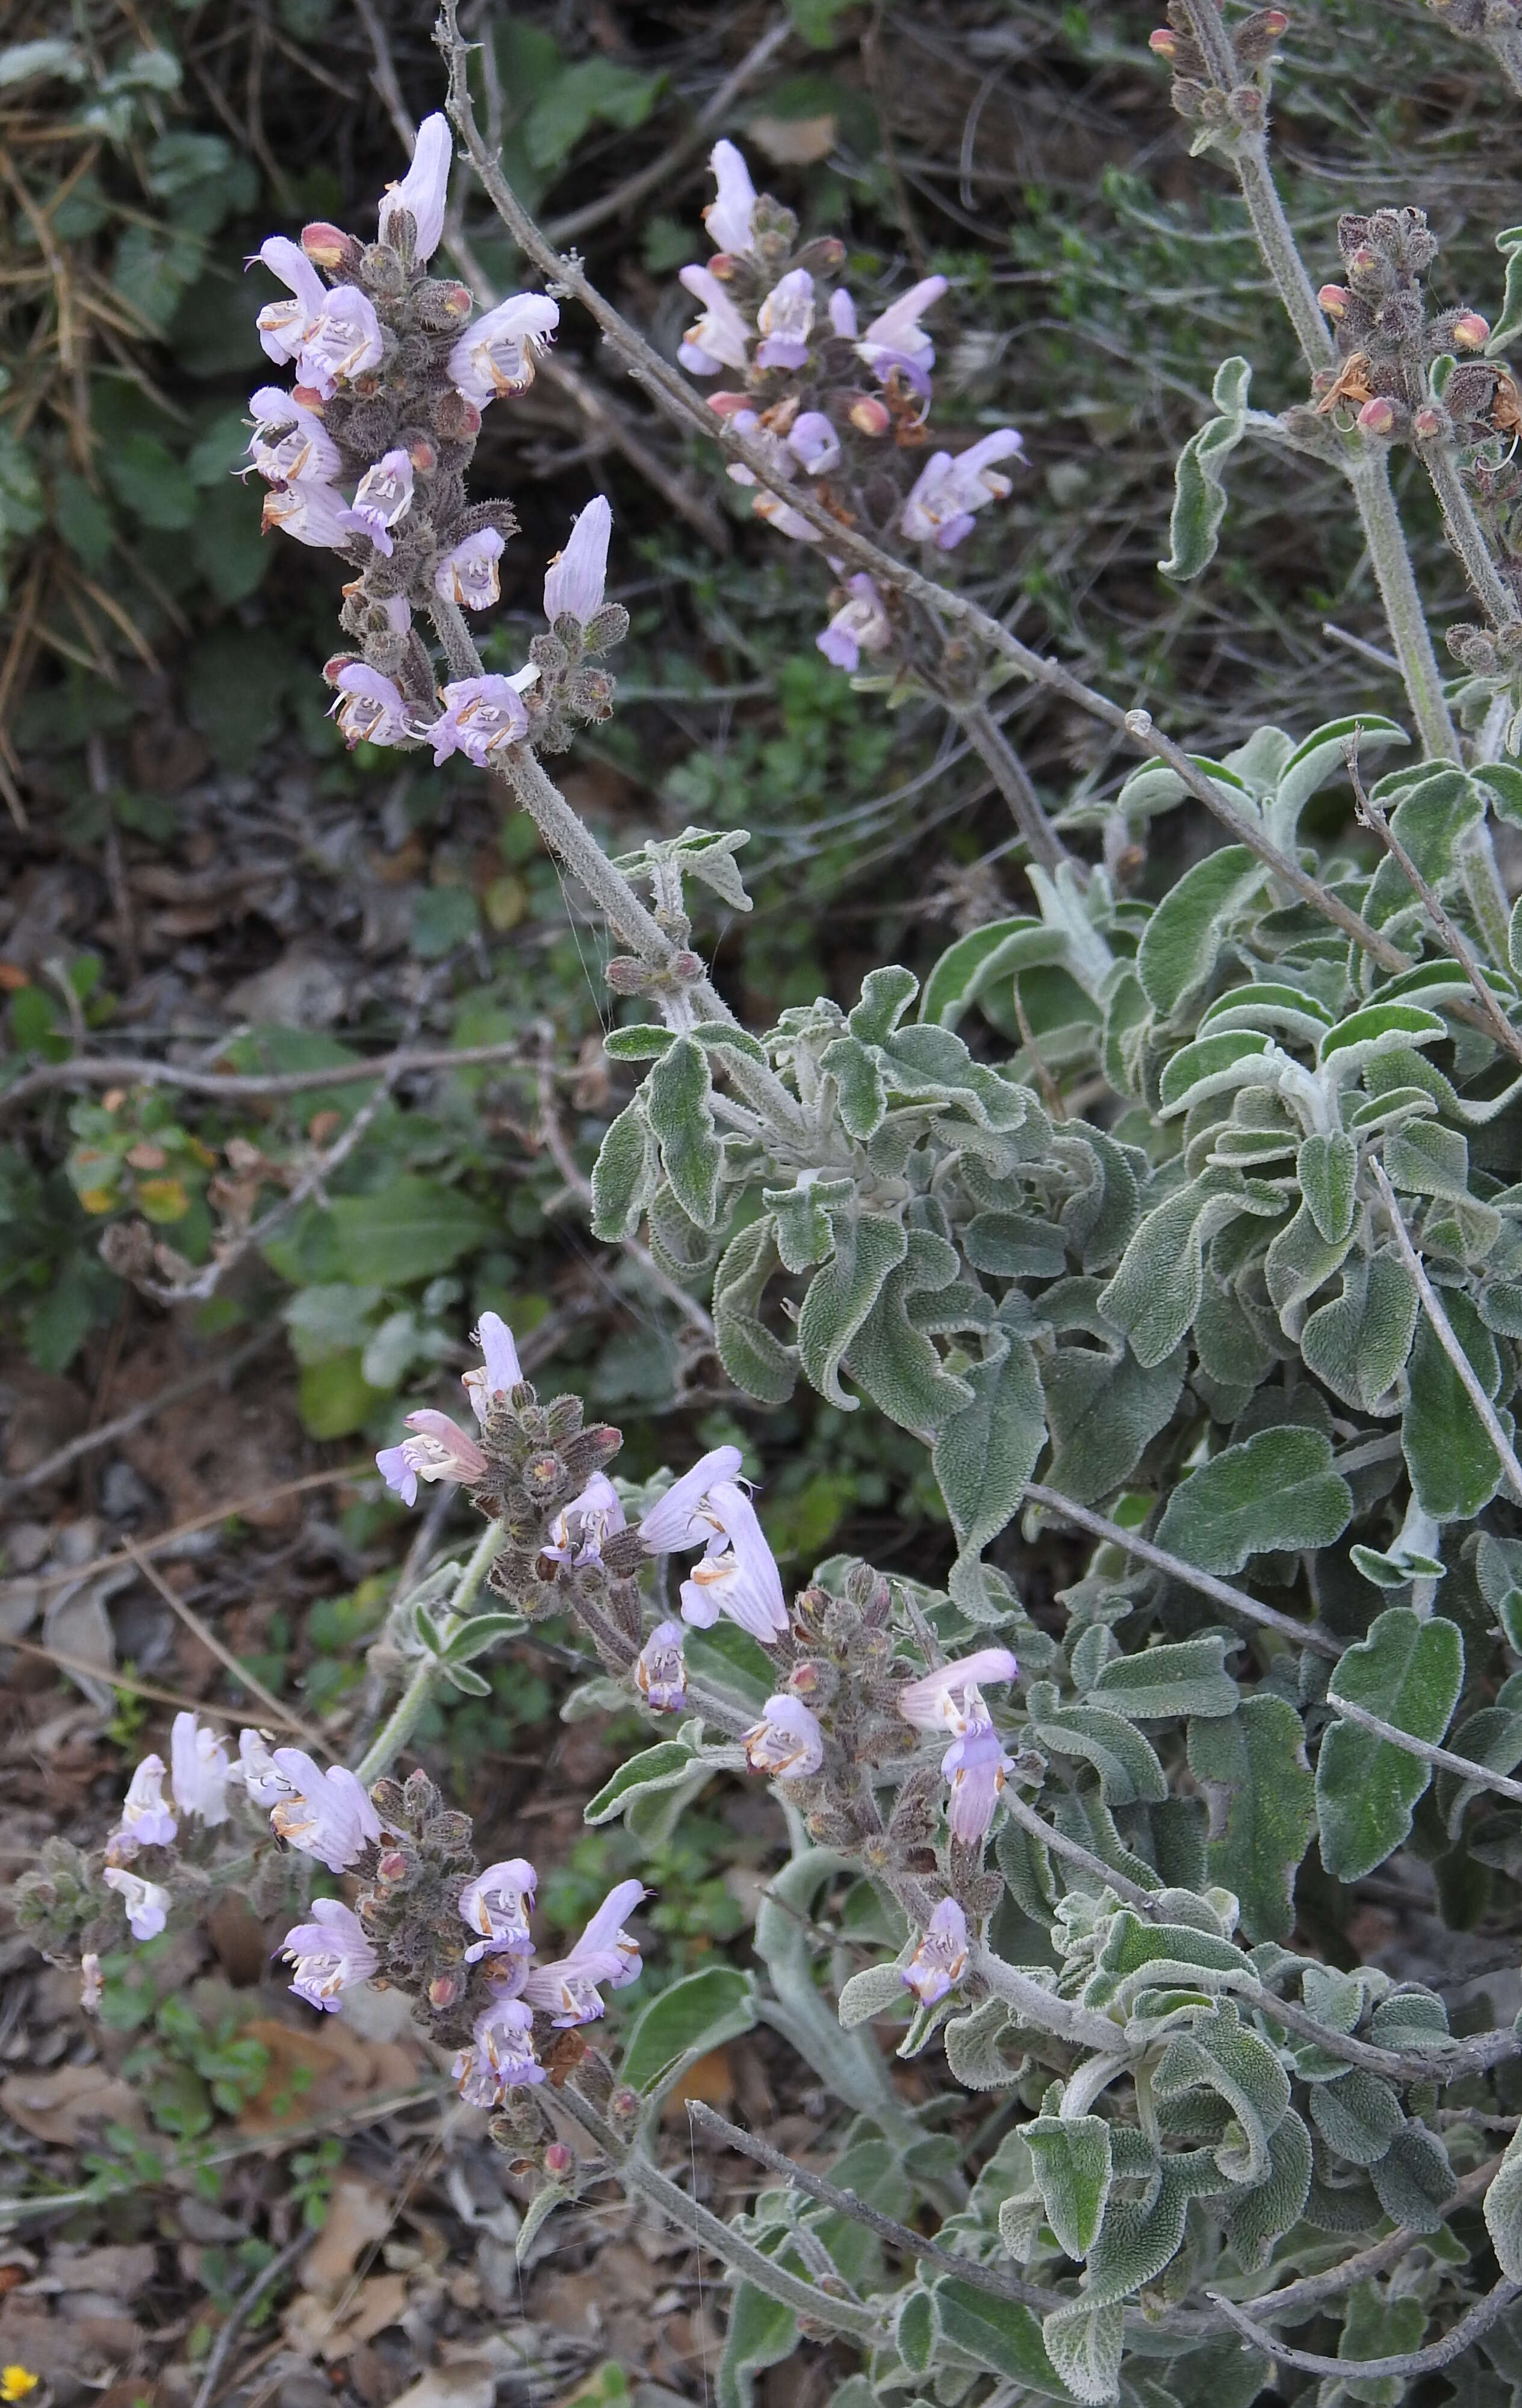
x=559, y=2162
x=198, y=1769
x=574, y=584
x=1377, y=417
x=729, y=216
x=498, y=1371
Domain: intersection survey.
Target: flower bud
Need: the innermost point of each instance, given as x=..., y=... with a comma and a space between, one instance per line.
x=393, y=1866
x=625, y=975
x=454, y=299
x=1164, y=41
x=308, y=395
x=1471, y=332
x=445, y=1989
x=725, y=265
x=1429, y=423
x=420, y=452
x=685, y=966
x=1377, y=417
x=455, y=419
x=328, y=246
x=803, y=1680
x=1365, y=262
x=1335, y=300
x=1247, y=106
x=869, y=415
x=558, y=2161
x=727, y=405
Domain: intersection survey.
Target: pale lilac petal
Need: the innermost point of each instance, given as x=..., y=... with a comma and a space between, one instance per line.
x=342, y=343
x=815, y=444
x=501, y=2055
x=897, y=329
x=468, y=574
x=579, y=1530
x=568, y=1988
x=676, y=1520
x=937, y=1964
x=383, y=496
x=311, y=511
x=327, y=1814
x=574, y=587
x=422, y=190
x=728, y=217
x=741, y=1577
x=975, y=1766
x=330, y=1954
x=497, y=355
x=661, y=1670
x=199, y=1769
x=146, y=1820
x=787, y=1742
x=499, y=1370
x=842, y=314
x=933, y=1703
x=369, y=709
x=264, y=1782
x=147, y=1902
x=785, y=320
x=481, y=716
x=721, y=333
x=495, y=1907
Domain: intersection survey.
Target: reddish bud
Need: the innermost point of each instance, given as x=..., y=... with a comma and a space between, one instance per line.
x=1335, y=300
x=728, y=404
x=393, y=1865
x=626, y=975
x=623, y=2108
x=1471, y=332
x=803, y=1680
x=868, y=416
x=723, y=265
x=1364, y=262
x=308, y=395
x=1428, y=423
x=1274, y=21
x=1164, y=41
x=685, y=966
x=340, y=660
x=456, y=299
x=457, y=419
x=423, y=457
x=328, y=246
x=558, y=2161
x=1377, y=417
x=444, y=1990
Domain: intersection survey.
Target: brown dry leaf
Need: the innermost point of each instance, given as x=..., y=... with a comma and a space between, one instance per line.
x=795, y=141
x=312, y=2325
x=119, y=2270
x=469, y=2382
x=63, y=2106
x=712, y=2080
x=359, y=2212
x=321, y=2070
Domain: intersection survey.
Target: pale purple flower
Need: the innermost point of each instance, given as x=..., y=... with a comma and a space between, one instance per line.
x=305, y=449
x=720, y=339
x=782, y=516
x=198, y=1769
x=842, y=314
x=369, y=709
x=895, y=339
x=943, y=1700
x=264, y=1782
x=340, y=343
x=861, y=624
x=481, y=716
x=439, y=1449
x=327, y=1814
x=579, y=1530
x=497, y=355
x=383, y=496
x=678, y=1520
x=330, y=1954
x=738, y=1575
x=761, y=439
x=785, y=320
x=728, y=218
x=500, y=1370
x=91, y=1983
x=936, y=1966
x=660, y=1670
x=501, y=2055
x=949, y=490
x=147, y=1902
x=496, y=1906
x=398, y=611
x=787, y=1742
x=422, y=190
x=314, y=513
x=814, y=443
x=976, y=1766
x=147, y=1819
x=282, y=324
x=468, y=574
x=574, y=583
x=567, y=1989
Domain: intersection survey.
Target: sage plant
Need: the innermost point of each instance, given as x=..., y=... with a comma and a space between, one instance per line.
x=1218, y=1268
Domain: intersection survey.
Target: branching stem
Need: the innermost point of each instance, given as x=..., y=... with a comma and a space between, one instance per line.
x=399, y=1724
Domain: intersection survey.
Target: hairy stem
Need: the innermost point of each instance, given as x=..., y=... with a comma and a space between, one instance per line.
x=1468, y=535
x=399, y=1724
x=645, y=2180
x=1010, y=776
x=1248, y=154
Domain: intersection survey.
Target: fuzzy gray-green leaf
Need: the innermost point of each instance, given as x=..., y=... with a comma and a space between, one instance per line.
x=1275, y=1489
x=1409, y=1672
